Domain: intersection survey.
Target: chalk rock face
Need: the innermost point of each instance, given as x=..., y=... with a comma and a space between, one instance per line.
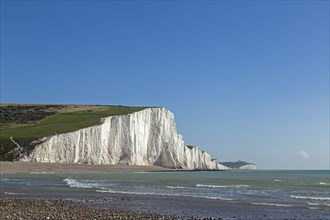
x=239, y=165
x=248, y=167
x=147, y=137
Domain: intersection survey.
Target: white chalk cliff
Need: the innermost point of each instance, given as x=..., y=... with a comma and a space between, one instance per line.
x=248, y=167
x=146, y=137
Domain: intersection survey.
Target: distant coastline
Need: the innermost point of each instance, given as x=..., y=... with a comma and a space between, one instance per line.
x=240, y=165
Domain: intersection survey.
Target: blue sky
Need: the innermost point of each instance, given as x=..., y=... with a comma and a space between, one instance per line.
x=246, y=80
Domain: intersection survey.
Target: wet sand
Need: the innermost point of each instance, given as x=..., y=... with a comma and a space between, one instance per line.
x=27, y=167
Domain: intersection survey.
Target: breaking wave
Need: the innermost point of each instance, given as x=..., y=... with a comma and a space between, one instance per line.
x=42, y=172
x=324, y=184
x=221, y=186
x=12, y=193
x=310, y=197
x=77, y=184
x=175, y=187
x=162, y=194
x=317, y=204
x=271, y=204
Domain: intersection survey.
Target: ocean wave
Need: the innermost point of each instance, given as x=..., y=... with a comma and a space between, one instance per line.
x=211, y=197
x=324, y=184
x=134, y=193
x=277, y=180
x=221, y=186
x=42, y=172
x=271, y=204
x=161, y=194
x=175, y=187
x=313, y=207
x=310, y=197
x=11, y=193
x=317, y=204
x=77, y=184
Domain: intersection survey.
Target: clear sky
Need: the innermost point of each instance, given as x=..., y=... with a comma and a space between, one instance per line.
x=246, y=80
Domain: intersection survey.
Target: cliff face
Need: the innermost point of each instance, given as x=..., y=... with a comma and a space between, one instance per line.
x=240, y=165
x=248, y=167
x=147, y=137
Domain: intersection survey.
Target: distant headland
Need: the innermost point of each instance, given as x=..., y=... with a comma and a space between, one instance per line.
x=240, y=165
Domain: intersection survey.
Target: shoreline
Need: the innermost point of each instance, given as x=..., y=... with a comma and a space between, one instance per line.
x=78, y=204
x=30, y=167
x=33, y=167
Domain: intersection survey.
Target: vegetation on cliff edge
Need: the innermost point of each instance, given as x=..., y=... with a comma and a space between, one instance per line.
x=27, y=123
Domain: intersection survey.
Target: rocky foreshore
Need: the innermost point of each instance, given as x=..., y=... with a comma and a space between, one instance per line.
x=64, y=209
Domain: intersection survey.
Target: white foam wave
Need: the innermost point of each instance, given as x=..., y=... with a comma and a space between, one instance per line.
x=76, y=184
x=134, y=193
x=277, y=180
x=41, y=172
x=271, y=204
x=310, y=197
x=161, y=194
x=11, y=193
x=212, y=197
x=221, y=186
x=175, y=187
x=317, y=204
x=313, y=207
x=324, y=183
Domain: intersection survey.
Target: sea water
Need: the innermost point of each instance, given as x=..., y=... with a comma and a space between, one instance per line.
x=294, y=188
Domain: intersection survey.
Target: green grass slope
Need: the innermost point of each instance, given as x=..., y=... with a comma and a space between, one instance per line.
x=57, y=123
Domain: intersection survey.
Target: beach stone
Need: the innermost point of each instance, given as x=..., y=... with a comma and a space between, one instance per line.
x=61, y=209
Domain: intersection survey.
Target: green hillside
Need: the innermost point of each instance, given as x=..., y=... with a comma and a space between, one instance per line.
x=27, y=123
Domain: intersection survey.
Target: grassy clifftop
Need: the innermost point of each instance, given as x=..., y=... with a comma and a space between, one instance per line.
x=27, y=123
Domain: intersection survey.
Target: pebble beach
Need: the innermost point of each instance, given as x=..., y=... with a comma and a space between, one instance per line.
x=61, y=209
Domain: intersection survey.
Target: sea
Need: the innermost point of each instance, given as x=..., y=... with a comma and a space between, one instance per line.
x=307, y=189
